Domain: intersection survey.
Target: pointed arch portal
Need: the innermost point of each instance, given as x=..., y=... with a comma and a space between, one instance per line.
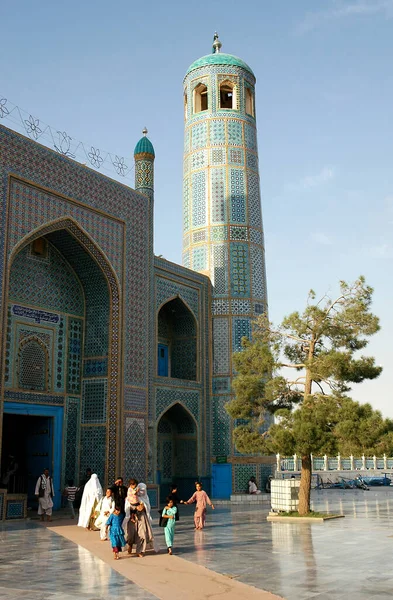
x=64, y=312
x=177, y=450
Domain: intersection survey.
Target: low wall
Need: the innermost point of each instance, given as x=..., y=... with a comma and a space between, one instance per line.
x=12, y=506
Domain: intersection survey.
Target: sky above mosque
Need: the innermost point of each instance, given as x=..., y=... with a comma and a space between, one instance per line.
x=103, y=71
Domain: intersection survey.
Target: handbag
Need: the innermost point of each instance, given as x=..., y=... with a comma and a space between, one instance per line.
x=162, y=522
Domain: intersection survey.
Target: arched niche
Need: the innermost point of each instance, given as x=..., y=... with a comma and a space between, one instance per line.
x=177, y=341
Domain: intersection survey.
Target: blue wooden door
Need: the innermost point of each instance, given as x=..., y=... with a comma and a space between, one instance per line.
x=162, y=360
x=222, y=481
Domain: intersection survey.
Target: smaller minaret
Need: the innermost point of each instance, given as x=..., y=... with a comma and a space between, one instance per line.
x=144, y=166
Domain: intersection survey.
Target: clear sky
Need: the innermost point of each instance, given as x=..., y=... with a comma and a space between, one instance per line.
x=102, y=71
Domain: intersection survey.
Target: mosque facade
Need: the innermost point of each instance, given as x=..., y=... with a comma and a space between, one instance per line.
x=112, y=358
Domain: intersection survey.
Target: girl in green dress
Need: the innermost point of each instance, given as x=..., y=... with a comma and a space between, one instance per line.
x=169, y=513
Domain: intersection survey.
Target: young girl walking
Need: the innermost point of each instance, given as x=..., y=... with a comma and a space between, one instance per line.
x=201, y=499
x=116, y=533
x=169, y=513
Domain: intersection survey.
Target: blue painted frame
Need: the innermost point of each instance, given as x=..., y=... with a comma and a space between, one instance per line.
x=57, y=412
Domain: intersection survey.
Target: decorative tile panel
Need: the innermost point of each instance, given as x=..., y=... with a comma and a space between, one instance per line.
x=199, y=258
x=258, y=272
x=135, y=400
x=94, y=401
x=199, y=135
x=235, y=132
x=238, y=233
x=241, y=477
x=240, y=270
x=220, y=307
x=241, y=328
x=166, y=397
x=218, y=195
x=71, y=440
x=220, y=269
x=221, y=427
x=239, y=306
x=236, y=156
x=221, y=385
x=250, y=136
x=198, y=199
x=237, y=196
x=93, y=452
x=220, y=346
x=217, y=132
x=135, y=442
x=254, y=200
x=217, y=156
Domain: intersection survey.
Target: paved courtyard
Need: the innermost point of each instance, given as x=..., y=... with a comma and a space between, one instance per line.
x=345, y=558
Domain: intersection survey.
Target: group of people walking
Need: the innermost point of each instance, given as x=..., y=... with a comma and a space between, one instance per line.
x=123, y=514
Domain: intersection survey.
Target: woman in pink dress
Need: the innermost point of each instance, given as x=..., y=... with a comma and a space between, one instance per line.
x=201, y=499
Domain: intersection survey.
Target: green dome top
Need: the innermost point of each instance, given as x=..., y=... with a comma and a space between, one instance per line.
x=144, y=145
x=219, y=58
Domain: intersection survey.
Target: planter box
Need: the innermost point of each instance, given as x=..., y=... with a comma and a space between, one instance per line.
x=285, y=494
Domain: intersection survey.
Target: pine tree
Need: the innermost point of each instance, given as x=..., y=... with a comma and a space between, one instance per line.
x=321, y=346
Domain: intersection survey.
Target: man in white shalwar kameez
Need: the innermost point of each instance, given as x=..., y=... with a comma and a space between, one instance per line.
x=45, y=492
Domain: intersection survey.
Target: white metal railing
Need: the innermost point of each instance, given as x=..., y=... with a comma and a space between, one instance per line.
x=335, y=463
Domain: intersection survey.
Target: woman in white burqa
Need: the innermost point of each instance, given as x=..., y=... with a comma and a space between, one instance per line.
x=92, y=494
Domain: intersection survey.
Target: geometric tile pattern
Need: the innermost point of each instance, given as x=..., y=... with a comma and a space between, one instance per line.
x=94, y=400
x=93, y=451
x=51, y=285
x=166, y=290
x=258, y=272
x=15, y=509
x=93, y=367
x=198, y=199
x=237, y=196
x=166, y=397
x=220, y=270
x=235, y=132
x=240, y=270
x=241, y=476
x=220, y=307
x=241, y=328
x=250, y=137
x=221, y=426
x=135, y=441
x=240, y=306
x=199, y=136
x=71, y=442
x=218, y=195
x=135, y=400
x=75, y=331
x=199, y=258
x=220, y=345
x=221, y=385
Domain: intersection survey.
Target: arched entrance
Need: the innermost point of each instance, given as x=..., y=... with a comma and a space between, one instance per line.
x=62, y=348
x=177, y=450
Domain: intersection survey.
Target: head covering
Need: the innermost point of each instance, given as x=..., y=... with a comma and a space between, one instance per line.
x=142, y=494
x=92, y=493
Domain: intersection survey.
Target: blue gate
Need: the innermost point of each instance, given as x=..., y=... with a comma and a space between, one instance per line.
x=222, y=480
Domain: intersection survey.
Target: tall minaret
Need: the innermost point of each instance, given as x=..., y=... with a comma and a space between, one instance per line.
x=222, y=220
